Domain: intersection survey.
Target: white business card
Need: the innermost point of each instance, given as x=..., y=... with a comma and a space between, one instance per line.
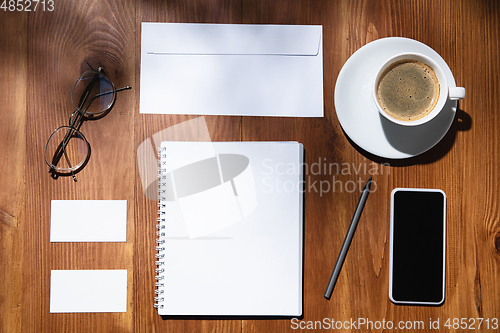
x=88, y=291
x=88, y=221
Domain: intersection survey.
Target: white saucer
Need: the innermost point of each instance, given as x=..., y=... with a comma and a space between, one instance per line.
x=358, y=114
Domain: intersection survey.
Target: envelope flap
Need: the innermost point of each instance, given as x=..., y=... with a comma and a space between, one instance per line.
x=230, y=39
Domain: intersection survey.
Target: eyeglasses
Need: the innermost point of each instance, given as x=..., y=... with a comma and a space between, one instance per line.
x=67, y=150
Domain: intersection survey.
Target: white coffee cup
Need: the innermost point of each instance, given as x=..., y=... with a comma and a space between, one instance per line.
x=445, y=91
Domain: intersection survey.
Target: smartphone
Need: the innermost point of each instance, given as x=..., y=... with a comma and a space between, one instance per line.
x=417, y=246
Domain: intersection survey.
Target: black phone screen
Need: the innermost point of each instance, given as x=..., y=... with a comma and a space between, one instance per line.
x=418, y=229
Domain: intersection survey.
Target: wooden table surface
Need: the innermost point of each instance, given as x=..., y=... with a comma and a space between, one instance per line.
x=42, y=54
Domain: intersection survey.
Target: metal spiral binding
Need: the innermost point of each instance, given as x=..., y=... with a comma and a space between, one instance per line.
x=160, y=226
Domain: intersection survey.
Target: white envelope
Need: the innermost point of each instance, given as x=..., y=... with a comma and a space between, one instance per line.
x=232, y=69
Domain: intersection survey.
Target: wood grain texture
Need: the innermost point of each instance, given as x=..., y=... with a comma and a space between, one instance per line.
x=219, y=129
x=13, y=82
x=429, y=23
x=59, y=44
x=43, y=53
x=323, y=142
x=478, y=164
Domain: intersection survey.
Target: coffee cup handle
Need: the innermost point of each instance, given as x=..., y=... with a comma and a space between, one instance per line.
x=456, y=93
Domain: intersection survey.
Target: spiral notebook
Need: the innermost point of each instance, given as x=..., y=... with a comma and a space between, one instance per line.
x=230, y=229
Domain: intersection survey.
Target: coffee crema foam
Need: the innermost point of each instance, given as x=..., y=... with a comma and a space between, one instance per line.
x=408, y=90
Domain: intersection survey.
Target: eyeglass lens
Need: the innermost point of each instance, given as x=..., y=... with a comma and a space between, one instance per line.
x=66, y=150
x=93, y=93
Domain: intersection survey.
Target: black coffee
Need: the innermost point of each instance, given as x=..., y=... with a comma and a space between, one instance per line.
x=408, y=90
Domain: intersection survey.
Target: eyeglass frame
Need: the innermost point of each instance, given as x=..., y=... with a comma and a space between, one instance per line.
x=76, y=120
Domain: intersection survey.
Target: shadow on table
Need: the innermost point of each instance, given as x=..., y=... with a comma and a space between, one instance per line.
x=462, y=122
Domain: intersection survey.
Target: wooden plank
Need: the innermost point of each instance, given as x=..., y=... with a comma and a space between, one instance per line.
x=13, y=67
x=479, y=161
x=180, y=127
x=422, y=21
x=367, y=261
x=325, y=207
x=60, y=42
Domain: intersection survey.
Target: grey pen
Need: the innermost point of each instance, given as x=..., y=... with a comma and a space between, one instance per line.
x=347, y=239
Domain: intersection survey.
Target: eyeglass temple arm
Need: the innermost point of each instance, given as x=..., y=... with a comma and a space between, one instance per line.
x=108, y=92
x=69, y=163
x=88, y=90
x=124, y=88
x=83, y=111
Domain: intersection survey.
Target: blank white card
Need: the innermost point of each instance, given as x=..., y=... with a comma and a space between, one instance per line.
x=88, y=221
x=88, y=291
